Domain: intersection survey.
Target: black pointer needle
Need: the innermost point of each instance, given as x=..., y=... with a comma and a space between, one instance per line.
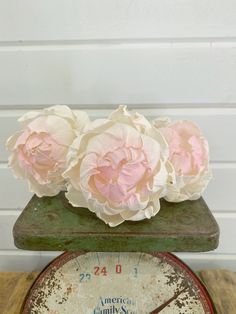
x=162, y=306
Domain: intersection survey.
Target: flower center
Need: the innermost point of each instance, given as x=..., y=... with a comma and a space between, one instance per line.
x=119, y=174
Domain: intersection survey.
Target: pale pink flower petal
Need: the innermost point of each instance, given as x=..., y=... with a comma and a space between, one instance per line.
x=120, y=168
x=189, y=155
x=39, y=150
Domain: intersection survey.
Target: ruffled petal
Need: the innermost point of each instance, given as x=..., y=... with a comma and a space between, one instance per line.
x=135, y=120
x=75, y=197
x=111, y=220
x=44, y=189
x=39, y=150
x=120, y=167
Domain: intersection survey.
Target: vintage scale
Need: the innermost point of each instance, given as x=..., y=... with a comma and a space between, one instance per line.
x=116, y=270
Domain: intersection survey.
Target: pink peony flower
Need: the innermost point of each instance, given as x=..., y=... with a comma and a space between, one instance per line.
x=38, y=151
x=189, y=155
x=118, y=168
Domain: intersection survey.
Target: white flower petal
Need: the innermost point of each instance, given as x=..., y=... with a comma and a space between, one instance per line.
x=111, y=220
x=17, y=171
x=135, y=120
x=140, y=215
x=161, y=122
x=11, y=141
x=189, y=155
x=75, y=197
x=27, y=117
x=103, y=158
x=38, y=151
x=97, y=126
x=44, y=190
x=190, y=191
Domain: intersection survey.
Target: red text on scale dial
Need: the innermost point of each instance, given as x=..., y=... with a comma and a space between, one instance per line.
x=102, y=271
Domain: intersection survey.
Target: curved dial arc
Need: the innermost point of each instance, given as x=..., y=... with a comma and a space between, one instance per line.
x=109, y=283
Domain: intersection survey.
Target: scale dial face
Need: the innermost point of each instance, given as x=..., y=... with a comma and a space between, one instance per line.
x=117, y=283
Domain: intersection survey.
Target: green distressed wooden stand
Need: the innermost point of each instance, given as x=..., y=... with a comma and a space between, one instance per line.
x=51, y=223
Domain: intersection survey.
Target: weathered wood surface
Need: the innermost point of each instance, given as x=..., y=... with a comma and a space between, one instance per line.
x=13, y=289
x=51, y=223
x=221, y=285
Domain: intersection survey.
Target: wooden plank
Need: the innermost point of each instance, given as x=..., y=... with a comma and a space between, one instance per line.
x=208, y=119
x=133, y=74
x=227, y=232
x=23, y=261
x=185, y=226
x=221, y=285
x=198, y=261
x=6, y=225
x=220, y=191
x=11, y=186
x=13, y=289
x=115, y=19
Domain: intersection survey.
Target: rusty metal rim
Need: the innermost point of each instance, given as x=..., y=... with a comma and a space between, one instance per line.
x=67, y=256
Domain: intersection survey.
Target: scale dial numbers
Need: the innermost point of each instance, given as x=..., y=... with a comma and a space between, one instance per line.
x=117, y=283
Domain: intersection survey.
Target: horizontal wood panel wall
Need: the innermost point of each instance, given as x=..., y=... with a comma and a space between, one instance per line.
x=117, y=73
x=116, y=19
x=163, y=58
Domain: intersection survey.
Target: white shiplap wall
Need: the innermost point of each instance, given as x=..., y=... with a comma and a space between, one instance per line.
x=167, y=57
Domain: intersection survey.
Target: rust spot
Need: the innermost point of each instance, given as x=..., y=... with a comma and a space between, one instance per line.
x=69, y=290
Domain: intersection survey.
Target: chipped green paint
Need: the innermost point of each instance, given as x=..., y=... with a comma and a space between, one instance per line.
x=51, y=223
